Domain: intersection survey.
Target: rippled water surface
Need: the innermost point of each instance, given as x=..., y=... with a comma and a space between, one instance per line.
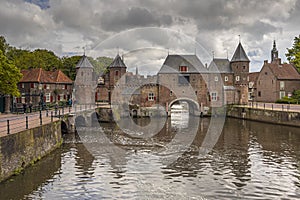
x=250, y=160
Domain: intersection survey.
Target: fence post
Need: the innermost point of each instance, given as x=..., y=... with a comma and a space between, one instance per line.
x=26, y=122
x=8, y=127
x=41, y=121
x=59, y=113
x=264, y=106
x=55, y=111
x=47, y=113
x=63, y=111
x=282, y=107
x=51, y=116
x=69, y=109
x=272, y=106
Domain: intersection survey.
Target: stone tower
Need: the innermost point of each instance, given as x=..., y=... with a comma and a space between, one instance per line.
x=274, y=52
x=240, y=67
x=85, y=82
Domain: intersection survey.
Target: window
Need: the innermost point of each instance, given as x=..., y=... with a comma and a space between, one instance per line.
x=171, y=93
x=151, y=96
x=23, y=98
x=66, y=86
x=266, y=73
x=22, y=85
x=237, y=78
x=196, y=92
x=48, y=95
x=31, y=85
x=281, y=94
x=281, y=85
x=259, y=93
x=182, y=80
x=48, y=86
x=244, y=67
x=214, y=96
x=183, y=68
x=216, y=78
x=226, y=78
x=117, y=73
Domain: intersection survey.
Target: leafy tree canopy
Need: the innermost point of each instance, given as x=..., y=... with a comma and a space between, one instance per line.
x=10, y=75
x=293, y=54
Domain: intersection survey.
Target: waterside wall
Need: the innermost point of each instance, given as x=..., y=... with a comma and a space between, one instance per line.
x=268, y=116
x=25, y=148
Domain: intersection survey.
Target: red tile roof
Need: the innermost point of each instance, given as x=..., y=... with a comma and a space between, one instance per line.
x=284, y=71
x=41, y=76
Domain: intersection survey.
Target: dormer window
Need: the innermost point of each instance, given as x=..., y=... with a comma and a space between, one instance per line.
x=183, y=68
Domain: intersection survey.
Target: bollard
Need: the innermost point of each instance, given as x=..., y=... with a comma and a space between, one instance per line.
x=63, y=111
x=55, y=111
x=51, y=116
x=26, y=122
x=8, y=126
x=282, y=107
x=58, y=113
x=264, y=106
x=272, y=106
x=47, y=113
x=41, y=121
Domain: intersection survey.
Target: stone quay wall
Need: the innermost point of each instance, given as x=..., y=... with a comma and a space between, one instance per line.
x=22, y=149
x=268, y=116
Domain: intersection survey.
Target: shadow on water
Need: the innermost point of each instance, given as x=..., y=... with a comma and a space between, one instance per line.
x=32, y=177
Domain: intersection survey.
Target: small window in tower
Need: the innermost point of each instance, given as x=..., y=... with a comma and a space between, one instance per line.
x=117, y=73
x=237, y=78
x=226, y=78
x=171, y=93
x=244, y=67
x=216, y=78
x=266, y=73
x=259, y=93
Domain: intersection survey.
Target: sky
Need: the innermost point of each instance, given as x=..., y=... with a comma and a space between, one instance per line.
x=145, y=32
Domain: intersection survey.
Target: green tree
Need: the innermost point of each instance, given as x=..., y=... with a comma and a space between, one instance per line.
x=69, y=66
x=100, y=63
x=293, y=54
x=10, y=75
x=3, y=45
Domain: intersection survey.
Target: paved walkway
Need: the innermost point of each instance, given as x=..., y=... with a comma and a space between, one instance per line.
x=20, y=122
x=274, y=106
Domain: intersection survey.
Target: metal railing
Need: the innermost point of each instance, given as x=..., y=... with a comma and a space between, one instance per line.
x=30, y=120
x=275, y=106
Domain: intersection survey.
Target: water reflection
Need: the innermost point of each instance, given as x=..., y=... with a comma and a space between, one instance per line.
x=249, y=160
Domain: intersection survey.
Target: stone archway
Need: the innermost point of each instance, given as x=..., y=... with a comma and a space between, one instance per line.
x=194, y=107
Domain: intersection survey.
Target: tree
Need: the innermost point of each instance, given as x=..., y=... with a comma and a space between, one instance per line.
x=69, y=66
x=10, y=75
x=3, y=45
x=293, y=54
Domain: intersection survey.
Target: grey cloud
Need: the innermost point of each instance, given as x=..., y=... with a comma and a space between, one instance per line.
x=133, y=17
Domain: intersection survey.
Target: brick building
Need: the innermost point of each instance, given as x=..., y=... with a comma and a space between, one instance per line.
x=38, y=85
x=276, y=79
x=181, y=78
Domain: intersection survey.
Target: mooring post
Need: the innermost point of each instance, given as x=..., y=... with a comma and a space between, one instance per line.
x=41, y=121
x=8, y=127
x=26, y=122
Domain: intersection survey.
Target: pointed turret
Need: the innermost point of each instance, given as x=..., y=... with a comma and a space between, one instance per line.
x=274, y=52
x=118, y=62
x=240, y=54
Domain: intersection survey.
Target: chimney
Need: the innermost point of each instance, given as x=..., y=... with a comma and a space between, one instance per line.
x=278, y=61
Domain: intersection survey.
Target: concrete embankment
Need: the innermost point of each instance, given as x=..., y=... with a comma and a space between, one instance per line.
x=268, y=116
x=26, y=147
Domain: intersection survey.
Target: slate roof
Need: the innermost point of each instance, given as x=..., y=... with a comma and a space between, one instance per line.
x=173, y=62
x=240, y=54
x=117, y=62
x=39, y=75
x=284, y=71
x=221, y=64
x=84, y=63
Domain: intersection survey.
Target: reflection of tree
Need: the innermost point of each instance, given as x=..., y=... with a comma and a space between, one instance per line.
x=32, y=178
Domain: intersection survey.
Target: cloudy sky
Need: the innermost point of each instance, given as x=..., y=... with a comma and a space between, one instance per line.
x=144, y=32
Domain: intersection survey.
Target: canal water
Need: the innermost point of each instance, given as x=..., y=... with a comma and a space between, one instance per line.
x=250, y=160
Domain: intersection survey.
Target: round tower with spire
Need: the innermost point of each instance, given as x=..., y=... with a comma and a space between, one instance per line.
x=274, y=52
x=240, y=67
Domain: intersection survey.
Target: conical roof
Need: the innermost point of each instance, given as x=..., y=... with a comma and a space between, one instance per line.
x=240, y=54
x=84, y=63
x=118, y=62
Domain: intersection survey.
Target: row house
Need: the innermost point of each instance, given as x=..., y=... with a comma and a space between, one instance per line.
x=39, y=86
x=276, y=79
